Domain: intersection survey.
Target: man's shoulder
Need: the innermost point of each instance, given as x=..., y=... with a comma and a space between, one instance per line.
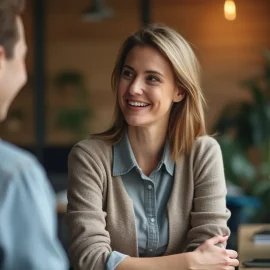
x=20, y=170
x=14, y=159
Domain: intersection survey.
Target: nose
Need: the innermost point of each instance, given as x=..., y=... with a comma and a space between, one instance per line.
x=136, y=87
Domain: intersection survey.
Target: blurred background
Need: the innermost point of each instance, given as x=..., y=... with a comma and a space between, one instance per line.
x=72, y=49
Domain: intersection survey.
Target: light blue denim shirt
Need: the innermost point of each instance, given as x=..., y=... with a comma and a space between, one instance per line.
x=28, y=232
x=150, y=196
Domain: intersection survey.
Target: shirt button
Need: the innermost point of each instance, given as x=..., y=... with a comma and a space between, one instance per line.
x=152, y=220
x=150, y=249
x=149, y=187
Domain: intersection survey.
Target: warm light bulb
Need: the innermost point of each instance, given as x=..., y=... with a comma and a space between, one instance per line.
x=230, y=10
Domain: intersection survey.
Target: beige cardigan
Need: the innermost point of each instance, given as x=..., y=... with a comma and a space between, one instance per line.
x=100, y=213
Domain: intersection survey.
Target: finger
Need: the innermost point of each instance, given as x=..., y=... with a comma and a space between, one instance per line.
x=232, y=253
x=234, y=262
x=217, y=239
x=230, y=268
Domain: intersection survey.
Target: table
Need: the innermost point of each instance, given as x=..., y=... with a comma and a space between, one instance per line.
x=247, y=249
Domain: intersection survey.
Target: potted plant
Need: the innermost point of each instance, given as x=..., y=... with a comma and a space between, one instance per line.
x=244, y=129
x=74, y=111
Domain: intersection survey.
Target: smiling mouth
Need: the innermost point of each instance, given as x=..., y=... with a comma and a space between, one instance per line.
x=138, y=104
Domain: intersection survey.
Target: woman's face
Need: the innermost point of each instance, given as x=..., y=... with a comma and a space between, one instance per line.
x=147, y=88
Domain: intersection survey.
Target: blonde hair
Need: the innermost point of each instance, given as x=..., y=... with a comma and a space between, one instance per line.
x=186, y=121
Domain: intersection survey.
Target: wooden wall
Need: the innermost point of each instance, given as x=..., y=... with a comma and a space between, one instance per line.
x=229, y=51
x=89, y=47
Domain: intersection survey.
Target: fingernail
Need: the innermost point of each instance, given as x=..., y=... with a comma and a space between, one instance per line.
x=224, y=235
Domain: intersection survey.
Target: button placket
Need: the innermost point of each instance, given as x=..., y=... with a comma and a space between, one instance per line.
x=150, y=207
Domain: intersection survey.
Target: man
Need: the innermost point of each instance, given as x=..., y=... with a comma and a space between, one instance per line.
x=28, y=238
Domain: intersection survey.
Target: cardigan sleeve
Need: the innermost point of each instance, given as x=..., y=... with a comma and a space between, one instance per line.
x=209, y=215
x=89, y=240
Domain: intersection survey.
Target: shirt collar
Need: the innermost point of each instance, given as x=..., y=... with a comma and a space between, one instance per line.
x=124, y=159
x=166, y=159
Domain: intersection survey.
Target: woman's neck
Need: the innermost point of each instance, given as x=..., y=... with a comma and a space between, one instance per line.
x=147, y=144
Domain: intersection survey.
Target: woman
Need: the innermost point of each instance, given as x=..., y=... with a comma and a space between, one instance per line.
x=153, y=185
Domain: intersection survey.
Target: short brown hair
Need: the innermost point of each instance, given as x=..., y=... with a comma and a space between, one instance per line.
x=187, y=117
x=9, y=10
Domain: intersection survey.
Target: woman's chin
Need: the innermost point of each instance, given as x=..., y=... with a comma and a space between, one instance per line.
x=135, y=122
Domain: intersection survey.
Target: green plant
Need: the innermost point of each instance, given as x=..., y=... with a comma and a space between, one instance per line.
x=73, y=118
x=245, y=133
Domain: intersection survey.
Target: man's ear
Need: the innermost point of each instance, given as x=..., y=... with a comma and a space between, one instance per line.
x=2, y=57
x=180, y=94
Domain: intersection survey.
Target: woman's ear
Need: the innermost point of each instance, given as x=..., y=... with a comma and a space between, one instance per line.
x=179, y=94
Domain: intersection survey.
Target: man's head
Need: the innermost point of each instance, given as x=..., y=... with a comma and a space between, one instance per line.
x=12, y=53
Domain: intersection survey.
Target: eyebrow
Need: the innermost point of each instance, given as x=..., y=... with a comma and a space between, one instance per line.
x=147, y=71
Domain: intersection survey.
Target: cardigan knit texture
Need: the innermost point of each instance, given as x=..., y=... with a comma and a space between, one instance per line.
x=100, y=212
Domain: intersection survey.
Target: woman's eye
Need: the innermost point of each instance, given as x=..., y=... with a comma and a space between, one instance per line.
x=153, y=79
x=126, y=73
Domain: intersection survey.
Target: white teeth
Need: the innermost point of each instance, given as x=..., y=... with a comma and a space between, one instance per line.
x=137, y=104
